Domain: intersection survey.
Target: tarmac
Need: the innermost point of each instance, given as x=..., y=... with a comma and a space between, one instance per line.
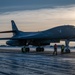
x=46, y=53
x=14, y=62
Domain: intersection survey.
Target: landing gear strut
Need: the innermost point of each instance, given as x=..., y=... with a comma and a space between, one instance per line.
x=67, y=49
x=25, y=49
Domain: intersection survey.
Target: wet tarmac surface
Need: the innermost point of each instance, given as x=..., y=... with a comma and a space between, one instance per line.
x=35, y=64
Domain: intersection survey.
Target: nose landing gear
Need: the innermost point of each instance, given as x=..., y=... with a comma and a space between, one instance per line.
x=67, y=49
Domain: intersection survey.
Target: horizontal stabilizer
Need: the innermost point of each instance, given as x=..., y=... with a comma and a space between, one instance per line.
x=8, y=38
x=8, y=31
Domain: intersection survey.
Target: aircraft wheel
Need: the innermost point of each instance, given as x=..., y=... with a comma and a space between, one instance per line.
x=67, y=51
x=38, y=49
x=25, y=49
x=22, y=50
x=42, y=49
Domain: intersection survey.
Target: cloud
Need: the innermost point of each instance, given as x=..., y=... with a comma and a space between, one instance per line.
x=41, y=19
x=17, y=5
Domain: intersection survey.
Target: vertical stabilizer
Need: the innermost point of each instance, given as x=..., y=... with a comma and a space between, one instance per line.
x=14, y=27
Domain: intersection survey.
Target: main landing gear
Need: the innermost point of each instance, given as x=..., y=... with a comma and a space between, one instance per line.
x=25, y=49
x=39, y=49
x=67, y=49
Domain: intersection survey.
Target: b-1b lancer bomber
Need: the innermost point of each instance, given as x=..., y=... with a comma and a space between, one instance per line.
x=40, y=39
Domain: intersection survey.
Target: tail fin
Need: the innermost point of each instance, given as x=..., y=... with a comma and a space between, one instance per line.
x=14, y=30
x=14, y=27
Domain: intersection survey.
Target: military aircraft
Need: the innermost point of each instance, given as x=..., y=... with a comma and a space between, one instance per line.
x=41, y=38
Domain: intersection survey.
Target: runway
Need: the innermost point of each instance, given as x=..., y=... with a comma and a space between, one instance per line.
x=17, y=63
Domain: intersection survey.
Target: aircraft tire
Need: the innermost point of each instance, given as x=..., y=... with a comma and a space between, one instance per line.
x=42, y=49
x=24, y=50
x=27, y=49
x=37, y=49
x=67, y=51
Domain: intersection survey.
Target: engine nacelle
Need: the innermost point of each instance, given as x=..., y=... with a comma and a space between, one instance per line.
x=12, y=43
x=40, y=43
x=44, y=42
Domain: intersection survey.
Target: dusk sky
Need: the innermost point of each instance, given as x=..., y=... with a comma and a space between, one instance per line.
x=36, y=15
